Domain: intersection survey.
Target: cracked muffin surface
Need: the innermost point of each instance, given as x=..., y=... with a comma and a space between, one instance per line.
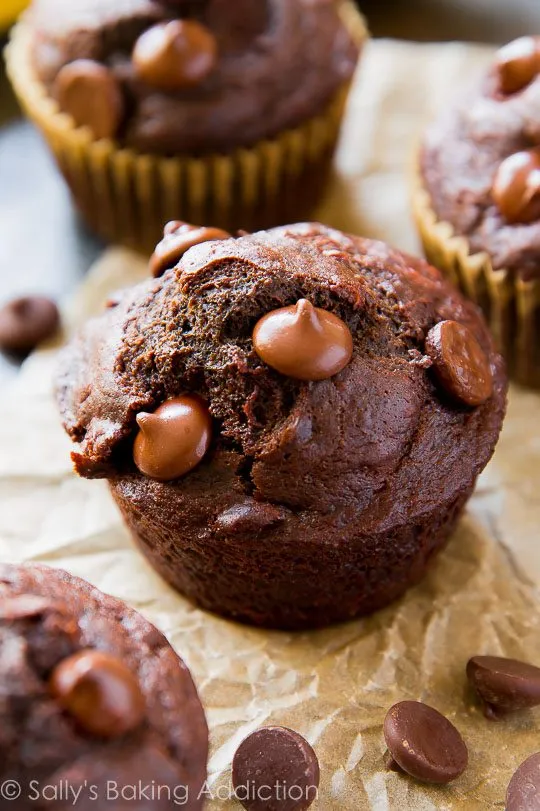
x=315, y=501
x=134, y=714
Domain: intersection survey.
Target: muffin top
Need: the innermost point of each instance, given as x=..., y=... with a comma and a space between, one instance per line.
x=91, y=692
x=480, y=161
x=167, y=76
x=314, y=370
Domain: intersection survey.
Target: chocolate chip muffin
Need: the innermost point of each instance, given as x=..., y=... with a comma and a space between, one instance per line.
x=478, y=203
x=94, y=700
x=158, y=109
x=291, y=422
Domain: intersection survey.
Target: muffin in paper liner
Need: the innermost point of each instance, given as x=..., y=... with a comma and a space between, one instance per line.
x=510, y=304
x=126, y=196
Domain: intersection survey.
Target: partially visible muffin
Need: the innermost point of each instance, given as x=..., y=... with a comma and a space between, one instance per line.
x=478, y=201
x=291, y=422
x=93, y=697
x=228, y=109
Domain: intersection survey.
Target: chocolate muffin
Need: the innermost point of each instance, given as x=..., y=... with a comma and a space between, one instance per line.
x=291, y=422
x=94, y=700
x=478, y=205
x=200, y=101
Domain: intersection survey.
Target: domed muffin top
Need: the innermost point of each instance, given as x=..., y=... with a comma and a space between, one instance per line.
x=167, y=76
x=480, y=161
x=92, y=691
x=397, y=406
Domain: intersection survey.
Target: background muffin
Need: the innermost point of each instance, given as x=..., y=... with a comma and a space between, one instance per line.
x=294, y=503
x=478, y=201
x=92, y=693
x=226, y=111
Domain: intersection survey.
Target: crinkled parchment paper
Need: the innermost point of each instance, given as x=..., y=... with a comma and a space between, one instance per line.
x=333, y=686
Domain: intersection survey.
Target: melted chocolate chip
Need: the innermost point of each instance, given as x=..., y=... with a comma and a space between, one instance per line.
x=251, y=516
x=423, y=743
x=24, y=606
x=100, y=692
x=504, y=685
x=516, y=188
x=175, y=54
x=303, y=342
x=275, y=768
x=25, y=322
x=518, y=63
x=91, y=95
x=179, y=237
x=459, y=362
x=524, y=789
x=174, y=439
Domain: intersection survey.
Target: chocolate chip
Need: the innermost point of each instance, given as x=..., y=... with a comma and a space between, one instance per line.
x=504, y=685
x=303, y=341
x=423, y=743
x=516, y=188
x=24, y=606
x=459, y=362
x=251, y=516
x=175, y=54
x=524, y=788
x=100, y=692
x=25, y=322
x=174, y=439
x=179, y=237
x=91, y=95
x=275, y=769
x=518, y=63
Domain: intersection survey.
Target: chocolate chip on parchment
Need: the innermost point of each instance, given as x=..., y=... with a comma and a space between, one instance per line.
x=423, y=743
x=504, y=685
x=25, y=322
x=275, y=769
x=524, y=788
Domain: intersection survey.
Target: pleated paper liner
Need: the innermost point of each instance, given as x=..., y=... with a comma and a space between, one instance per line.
x=127, y=197
x=510, y=304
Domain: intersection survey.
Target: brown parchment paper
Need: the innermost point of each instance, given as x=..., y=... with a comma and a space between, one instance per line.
x=333, y=686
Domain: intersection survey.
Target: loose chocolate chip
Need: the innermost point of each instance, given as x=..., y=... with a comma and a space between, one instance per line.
x=24, y=606
x=174, y=439
x=516, y=188
x=460, y=363
x=175, y=54
x=303, y=341
x=179, y=237
x=518, y=63
x=91, y=95
x=524, y=789
x=504, y=685
x=423, y=743
x=275, y=769
x=100, y=692
x=25, y=322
